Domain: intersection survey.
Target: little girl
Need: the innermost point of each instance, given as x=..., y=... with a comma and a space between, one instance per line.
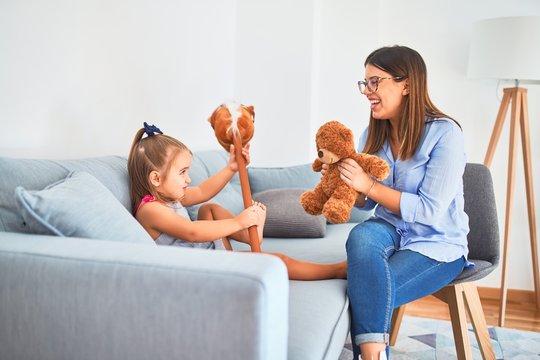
x=158, y=167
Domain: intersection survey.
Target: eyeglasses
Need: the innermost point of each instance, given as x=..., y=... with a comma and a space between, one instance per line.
x=372, y=84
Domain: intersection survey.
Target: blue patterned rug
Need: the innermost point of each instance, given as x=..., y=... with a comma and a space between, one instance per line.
x=428, y=339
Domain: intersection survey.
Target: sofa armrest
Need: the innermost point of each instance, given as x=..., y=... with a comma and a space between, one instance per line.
x=69, y=298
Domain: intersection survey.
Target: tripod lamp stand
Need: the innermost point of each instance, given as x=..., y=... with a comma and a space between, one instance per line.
x=499, y=50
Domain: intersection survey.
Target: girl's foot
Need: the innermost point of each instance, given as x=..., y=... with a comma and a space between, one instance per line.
x=342, y=270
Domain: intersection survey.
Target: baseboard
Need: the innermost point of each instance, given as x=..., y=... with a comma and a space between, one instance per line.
x=512, y=295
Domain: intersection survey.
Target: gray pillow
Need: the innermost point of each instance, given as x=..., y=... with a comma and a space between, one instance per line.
x=285, y=216
x=78, y=206
x=298, y=176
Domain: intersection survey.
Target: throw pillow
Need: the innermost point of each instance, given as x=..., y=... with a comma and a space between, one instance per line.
x=285, y=216
x=78, y=206
x=298, y=176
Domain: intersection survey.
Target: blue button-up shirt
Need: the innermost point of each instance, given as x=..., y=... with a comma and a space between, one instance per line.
x=432, y=221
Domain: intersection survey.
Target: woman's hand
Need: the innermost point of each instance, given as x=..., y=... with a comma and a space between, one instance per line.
x=323, y=169
x=354, y=176
x=233, y=164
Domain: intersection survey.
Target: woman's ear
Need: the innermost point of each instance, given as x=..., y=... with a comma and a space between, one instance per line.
x=154, y=178
x=406, y=87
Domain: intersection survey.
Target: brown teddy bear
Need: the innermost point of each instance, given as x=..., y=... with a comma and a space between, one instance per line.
x=332, y=197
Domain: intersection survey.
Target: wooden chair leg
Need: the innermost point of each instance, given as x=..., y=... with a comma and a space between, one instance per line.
x=453, y=296
x=478, y=320
x=395, y=323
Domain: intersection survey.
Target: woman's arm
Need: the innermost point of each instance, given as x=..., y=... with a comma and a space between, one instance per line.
x=354, y=176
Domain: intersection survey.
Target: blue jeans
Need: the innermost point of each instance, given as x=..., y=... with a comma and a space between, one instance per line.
x=381, y=277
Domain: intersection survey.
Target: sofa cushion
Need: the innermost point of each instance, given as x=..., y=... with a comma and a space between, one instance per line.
x=299, y=176
x=35, y=174
x=78, y=206
x=318, y=319
x=285, y=216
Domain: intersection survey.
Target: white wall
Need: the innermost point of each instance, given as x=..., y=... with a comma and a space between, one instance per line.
x=77, y=78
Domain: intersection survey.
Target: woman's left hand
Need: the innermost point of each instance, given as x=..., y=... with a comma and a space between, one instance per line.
x=354, y=176
x=233, y=164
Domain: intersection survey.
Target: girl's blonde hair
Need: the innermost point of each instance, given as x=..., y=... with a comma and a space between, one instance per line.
x=154, y=152
x=403, y=63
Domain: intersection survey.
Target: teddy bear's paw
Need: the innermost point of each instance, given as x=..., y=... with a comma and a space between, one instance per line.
x=336, y=214
x=311, y=203
x=378, y=168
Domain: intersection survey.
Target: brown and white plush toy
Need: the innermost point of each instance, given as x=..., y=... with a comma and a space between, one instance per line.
x=233, y=124
x=332, y=197
x=229, y=117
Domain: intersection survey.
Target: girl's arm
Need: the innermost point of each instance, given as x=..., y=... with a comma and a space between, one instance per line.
x=213, y=185
x=157, y=218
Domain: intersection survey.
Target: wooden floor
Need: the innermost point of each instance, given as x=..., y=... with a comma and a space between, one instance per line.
x=520, y=314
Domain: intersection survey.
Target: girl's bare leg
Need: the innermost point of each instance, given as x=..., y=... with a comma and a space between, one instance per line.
x=212, y=211
x=305, y=270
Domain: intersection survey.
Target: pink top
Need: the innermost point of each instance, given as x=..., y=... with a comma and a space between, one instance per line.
x=145, y=199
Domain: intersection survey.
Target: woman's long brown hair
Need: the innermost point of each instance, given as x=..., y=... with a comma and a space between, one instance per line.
x=403, y=63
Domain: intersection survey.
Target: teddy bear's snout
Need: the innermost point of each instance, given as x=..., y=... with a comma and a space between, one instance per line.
x=327, y=157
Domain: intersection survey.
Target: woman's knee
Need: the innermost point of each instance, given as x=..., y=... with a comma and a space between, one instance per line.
x=370, y=237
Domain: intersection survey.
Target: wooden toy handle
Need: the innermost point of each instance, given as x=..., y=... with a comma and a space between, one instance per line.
x=246, y=190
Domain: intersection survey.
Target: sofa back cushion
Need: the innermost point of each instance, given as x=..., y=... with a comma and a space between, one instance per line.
x=204, y=165
x=37, y=174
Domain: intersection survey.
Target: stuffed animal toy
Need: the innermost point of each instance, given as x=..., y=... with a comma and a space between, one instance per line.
x=332, y=196
x=233, y=124
x=231, y=116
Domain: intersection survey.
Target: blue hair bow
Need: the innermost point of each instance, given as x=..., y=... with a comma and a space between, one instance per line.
x=151, y=129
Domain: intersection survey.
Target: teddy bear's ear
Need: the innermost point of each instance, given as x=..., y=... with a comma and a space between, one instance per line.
x=212, y=118
x=347, y=135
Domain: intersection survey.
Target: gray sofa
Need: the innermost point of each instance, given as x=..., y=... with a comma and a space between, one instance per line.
x=80, y=279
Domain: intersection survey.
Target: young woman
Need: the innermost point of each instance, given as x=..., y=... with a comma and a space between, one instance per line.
x=416, y=242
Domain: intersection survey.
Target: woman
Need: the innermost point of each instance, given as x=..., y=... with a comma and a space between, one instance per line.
x=416, y=242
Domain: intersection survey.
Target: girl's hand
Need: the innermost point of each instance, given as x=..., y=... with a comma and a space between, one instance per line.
x=233, y=164
x=354, y=176
x=252, y=215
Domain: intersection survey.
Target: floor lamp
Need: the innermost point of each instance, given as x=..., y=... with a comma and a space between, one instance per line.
x=499, y=50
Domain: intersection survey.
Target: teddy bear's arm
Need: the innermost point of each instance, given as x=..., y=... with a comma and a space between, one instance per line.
x=373, y=165
x=317, y=165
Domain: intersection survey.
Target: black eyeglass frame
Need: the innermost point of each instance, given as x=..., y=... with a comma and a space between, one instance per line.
x=365, y=84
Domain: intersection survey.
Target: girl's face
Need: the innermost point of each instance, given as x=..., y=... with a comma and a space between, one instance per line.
x=177, y=179
x=389, y=98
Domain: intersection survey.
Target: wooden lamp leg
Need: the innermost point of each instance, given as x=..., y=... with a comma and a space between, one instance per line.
x=516, y=108
x=527, y=165
x=519, y=120
x=246, y=191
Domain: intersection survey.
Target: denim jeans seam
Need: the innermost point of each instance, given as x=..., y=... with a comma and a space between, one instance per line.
x=389, y=289
x=431, y=268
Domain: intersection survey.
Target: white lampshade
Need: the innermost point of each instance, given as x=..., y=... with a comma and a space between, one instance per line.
x=506, y=48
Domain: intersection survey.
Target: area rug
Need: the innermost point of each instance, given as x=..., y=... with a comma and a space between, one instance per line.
x=428, y=339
